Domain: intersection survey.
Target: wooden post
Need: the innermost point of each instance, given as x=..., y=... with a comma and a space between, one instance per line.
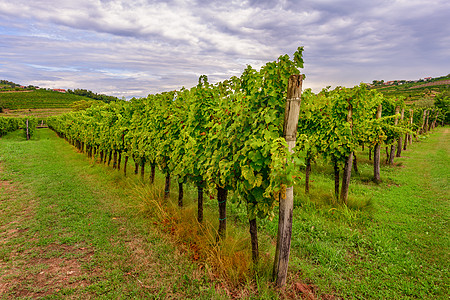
x=399, y=144
x=28, y=132
x=376, y=153
x=283, y=249
x=423, y=121
x=392, y=153
x=347, y=172
x=411, y=120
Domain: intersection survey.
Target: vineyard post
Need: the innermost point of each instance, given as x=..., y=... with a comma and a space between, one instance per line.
x=406, y=141
x=347, y=172
x=308, y=171
x=28, y=132
x=423, y=121
x=376, y=153
x=411, y=118
x=292, y=111
x=399, y=144
x=392, y=153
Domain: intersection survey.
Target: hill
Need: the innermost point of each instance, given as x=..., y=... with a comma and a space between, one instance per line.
x=18, y=101
x=40, y=103
x=413, y=91
x=36, y=99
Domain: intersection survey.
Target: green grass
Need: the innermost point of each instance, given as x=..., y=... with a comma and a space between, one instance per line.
x=392, y=242
x=60, y=213
x=70, y=229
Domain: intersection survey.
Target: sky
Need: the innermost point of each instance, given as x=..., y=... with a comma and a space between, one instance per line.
x=129, y=48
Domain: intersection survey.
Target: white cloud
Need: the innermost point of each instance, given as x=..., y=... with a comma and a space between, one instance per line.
x=141, y=46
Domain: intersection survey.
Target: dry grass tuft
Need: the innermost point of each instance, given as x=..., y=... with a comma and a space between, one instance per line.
x=228, y=261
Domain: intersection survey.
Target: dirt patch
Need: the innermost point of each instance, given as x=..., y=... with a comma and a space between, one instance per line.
x=28, y=270
x=46, y=270
x=5, y=186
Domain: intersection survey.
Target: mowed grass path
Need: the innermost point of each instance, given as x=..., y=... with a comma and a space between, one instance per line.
x=412, y=221
x=395, y=247
x=67, y=230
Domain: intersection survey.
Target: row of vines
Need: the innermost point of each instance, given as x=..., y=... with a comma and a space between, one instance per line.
x=28, y=125
x=228, y=136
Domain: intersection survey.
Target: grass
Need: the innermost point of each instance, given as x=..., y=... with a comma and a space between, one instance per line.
x=74, y=229
x=70, y=230
x=392, y=241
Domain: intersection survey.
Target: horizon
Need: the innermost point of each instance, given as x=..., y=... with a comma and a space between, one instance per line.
x=368, y=83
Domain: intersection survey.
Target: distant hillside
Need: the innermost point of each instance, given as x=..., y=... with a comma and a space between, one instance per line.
x=18, y=101
x=37, y=99
x=417, y=90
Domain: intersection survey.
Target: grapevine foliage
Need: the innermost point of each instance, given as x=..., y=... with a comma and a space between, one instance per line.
x=217, y=135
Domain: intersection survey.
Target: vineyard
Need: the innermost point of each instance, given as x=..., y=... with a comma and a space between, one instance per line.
x=28, y=124
x=229, y=137
x=36, y=99
x=248, y=140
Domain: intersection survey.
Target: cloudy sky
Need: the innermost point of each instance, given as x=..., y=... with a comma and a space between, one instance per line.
x=132, y=48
